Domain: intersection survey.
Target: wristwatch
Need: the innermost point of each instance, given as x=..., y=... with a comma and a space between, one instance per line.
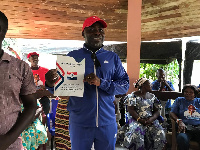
x=177, y=120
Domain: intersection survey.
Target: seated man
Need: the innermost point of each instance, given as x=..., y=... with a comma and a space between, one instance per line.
x=162, y=85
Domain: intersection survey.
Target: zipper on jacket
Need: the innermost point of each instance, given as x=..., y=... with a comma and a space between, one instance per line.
x=97, y=117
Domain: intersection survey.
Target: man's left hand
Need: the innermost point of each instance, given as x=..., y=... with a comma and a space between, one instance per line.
x=92, y=79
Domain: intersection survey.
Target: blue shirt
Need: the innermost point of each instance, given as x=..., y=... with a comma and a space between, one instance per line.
x=114, y=81
x=156, y=86
x=187, y=110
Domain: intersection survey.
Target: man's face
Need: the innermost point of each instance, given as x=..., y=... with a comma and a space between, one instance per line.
x=33, y=60
x=161, y=75
x=94, y=35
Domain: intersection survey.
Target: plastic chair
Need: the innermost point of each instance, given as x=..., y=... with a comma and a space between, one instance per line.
x=51, y=120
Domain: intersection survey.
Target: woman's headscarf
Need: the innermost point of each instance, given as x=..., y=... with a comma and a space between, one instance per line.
x=139, y=82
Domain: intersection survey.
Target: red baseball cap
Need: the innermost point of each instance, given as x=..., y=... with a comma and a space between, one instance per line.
x=32, y=54
x=91, y=20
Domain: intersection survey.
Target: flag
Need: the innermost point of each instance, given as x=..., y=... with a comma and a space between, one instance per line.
x=71, y=75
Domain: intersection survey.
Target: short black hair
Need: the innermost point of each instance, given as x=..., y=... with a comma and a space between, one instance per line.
x=4, y=19
x=160, y=70
x=193, y=87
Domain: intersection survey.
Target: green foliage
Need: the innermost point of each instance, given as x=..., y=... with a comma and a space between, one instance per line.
x=8, y=42
x=11, y=42
x=149, y=70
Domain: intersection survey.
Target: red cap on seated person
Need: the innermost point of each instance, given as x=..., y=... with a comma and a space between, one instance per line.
x=91, y=20
x=32, y=54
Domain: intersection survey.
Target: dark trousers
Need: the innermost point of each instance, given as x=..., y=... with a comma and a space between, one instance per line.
x=183, y=139
x=45, y=102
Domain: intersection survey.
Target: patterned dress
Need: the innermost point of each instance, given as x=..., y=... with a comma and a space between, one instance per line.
x=62, y=138
x=34, y=135
x=136, y=136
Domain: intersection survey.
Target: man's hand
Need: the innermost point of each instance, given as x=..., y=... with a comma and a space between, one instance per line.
x=92, y=79
x=163, y=83
x=51, y=77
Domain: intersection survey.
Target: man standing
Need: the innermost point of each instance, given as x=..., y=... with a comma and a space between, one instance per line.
x=17, y=86
x=36, y=69
x=40, y=71
x=92, y=117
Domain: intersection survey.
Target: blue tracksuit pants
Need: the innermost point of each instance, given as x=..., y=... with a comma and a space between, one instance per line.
x=103, y=137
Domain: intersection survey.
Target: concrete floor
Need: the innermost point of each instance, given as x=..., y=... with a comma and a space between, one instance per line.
x=118, y=147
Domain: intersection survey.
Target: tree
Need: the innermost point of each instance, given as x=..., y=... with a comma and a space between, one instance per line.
x=149, y=70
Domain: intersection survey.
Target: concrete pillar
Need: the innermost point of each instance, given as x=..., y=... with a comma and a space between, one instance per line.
x=133, y=40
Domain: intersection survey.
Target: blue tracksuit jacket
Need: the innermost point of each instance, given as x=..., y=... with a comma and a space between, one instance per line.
x=96, y=107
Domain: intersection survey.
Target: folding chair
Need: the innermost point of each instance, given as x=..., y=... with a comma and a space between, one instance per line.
x=51, y=120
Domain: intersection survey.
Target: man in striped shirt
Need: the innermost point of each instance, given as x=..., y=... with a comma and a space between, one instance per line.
x=17, y=86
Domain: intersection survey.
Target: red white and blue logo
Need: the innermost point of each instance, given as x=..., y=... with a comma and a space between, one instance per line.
x=71, y=75
x=61, y=74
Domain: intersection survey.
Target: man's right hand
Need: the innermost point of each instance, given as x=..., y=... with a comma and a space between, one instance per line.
x=51, y=77
x=163, y=83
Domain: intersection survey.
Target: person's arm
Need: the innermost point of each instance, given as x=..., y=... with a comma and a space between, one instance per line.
x=133, y=113
x=13, y=51
x=23, y=121
x=175, y=110
x=168, y=85
x=181, y=125
x=119, y=84
x=43, y=92
x=174, y=116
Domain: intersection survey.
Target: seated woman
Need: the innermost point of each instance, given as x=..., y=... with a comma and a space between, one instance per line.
x=145, y=132
x=186, y=112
